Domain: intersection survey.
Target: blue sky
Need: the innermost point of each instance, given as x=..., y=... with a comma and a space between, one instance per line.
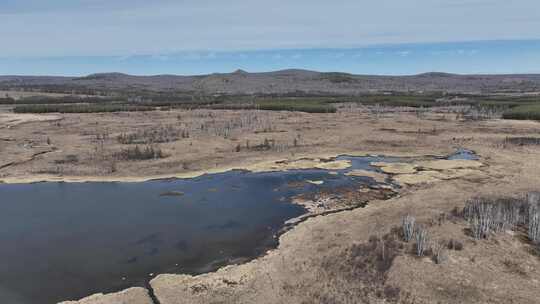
x=77, y=37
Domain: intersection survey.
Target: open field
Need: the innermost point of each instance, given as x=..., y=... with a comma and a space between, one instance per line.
x=334, y=258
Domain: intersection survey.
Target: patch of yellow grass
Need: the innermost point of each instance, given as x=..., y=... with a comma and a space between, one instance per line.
x=395, y=168
x=445, y=164
x=378, y=177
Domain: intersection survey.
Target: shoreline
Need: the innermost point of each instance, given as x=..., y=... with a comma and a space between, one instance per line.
x=256, y=167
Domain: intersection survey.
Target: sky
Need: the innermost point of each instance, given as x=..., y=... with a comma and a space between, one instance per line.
x=79, y=37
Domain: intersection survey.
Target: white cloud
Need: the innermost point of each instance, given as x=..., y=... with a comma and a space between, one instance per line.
x=100, y=27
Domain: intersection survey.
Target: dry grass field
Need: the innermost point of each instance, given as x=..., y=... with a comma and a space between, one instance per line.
x=94, y=146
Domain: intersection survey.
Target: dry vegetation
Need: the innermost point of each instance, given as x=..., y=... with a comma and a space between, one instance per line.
x=467, y=239
x=180, y=140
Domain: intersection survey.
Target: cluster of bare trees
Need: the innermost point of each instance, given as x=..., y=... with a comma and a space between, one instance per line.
x=248, y=121
x=413, y=231
x=160, y=134
x=487, y=216
x=137, y=153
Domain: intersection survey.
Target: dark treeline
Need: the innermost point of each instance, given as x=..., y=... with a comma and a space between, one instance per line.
x=513, y=107
x=42, y=100
x=148, y=106
x=313, y=108
x=7, y=100
x=52, y=88
x=308, y=105
x=525, y=112
x=92, y=108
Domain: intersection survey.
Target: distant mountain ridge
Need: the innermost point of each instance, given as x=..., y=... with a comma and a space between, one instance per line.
x=283, y=81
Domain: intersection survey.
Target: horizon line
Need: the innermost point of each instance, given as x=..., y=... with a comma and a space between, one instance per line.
x=268, y=72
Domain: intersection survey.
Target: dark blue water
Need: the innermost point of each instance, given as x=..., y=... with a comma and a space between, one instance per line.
x=64, y=241
x=463, y=154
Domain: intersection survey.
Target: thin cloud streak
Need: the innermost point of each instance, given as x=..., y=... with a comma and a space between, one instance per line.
x=34, y=28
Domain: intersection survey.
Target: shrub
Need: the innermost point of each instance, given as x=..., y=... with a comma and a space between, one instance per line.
x=440, y=254
x=422, y=241
x=70, y=159
x=522, y=141
x=514, y=267
x=455, y=245
x=136, y=153
x=407, y=223
x=266, y=145
x=113, y=167
x=162, y=134
x=360, y=271
x=534, y=217
x=533, y=198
